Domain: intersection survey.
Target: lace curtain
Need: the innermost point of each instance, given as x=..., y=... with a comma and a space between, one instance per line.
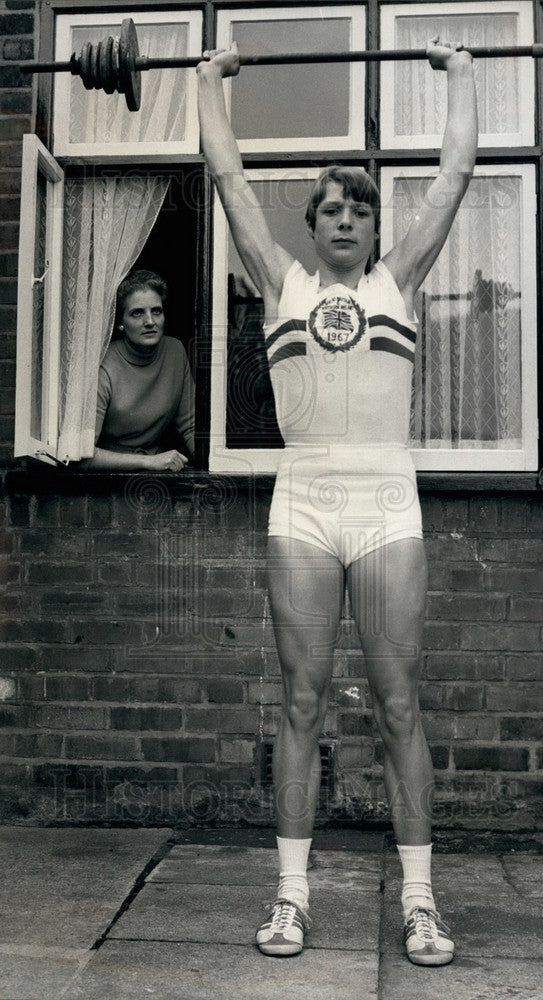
x=107, y=221
x=467, y=386
x=105, y=118
x=420, y=98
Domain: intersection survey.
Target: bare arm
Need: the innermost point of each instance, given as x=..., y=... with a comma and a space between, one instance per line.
x=104, y=460
x=412, y=258
x=266, y=261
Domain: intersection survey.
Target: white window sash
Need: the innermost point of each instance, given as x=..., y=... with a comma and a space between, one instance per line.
x=355, y=139
x=490, y=459
x=140, y=151
x=36, y=159
x=526, y=84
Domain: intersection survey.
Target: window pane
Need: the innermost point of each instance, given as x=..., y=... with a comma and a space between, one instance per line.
x=414, y=97
x=99, y=117
x=250, y=420
x=262, y=98
x=467, y=390
x=38, y=314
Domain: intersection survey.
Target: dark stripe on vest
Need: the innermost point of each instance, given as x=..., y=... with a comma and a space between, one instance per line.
x=287, y=351
x=384, y=344
x=388, y=321
x=291, y=325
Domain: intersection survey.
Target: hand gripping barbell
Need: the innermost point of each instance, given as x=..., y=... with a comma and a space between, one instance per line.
x=115, y=63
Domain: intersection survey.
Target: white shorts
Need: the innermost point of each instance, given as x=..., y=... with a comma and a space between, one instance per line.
x=347, y=501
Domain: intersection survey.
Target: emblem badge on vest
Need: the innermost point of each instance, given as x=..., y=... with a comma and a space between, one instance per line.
x=337, y=323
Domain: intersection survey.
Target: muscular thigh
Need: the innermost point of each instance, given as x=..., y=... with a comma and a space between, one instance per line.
x=387, y=593
x=305, y=587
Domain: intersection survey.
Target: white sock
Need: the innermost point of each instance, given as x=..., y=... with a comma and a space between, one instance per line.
x=293, y=855
x=417, y=878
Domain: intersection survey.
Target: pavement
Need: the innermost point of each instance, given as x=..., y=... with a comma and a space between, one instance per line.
x=112, y=914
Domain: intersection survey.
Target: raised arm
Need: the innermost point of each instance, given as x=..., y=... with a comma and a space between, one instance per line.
x=266, y=261
x=411, y=259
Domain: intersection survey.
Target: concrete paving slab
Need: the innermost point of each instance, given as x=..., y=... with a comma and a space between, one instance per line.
x=218, y=865
x=36, y=976
x=200, y=913
x=62, y=887
x=139, y=971
x=487, y=916
x=525, y=873
x=463, y=979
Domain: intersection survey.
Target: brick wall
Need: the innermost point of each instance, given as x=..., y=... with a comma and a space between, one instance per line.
x=16, y=43
x=138, y=675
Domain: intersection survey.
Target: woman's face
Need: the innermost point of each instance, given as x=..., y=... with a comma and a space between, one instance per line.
x=143, y=318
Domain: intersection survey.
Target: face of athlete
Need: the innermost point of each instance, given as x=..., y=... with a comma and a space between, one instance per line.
x=344, y=229
x=143, y=319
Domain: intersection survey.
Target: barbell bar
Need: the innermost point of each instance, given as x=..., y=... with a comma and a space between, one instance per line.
x=116, y=63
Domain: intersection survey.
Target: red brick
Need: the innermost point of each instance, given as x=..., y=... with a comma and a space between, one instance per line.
x=491, y=758
x=521, y=728
x=147, y=719
x=472, y=607
x=178, y=748
x=69, y=717
x=515, y=698
x=75, y=657
x=224, y=690
x=465, y=665
x=103, y=747
x=526, y=609
x=502, y=637
x=523, y=668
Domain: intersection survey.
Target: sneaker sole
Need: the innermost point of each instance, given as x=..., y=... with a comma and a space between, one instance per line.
x=431, y=958
x=280, y=950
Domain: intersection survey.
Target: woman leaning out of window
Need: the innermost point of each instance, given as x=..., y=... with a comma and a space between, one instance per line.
x=145, y=406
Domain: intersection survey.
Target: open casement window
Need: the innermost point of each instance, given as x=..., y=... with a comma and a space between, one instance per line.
x=38, y=303
x=475, y=388
x=93, y=124
x=280, y=124
x=414, y=97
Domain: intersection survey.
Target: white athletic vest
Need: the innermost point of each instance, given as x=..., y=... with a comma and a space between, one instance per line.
x=341, y=360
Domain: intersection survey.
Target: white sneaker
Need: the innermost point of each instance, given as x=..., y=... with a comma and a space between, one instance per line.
x=282, y=934
x=427, y=938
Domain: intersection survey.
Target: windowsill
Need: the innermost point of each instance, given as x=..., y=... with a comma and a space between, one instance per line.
x=48, y=481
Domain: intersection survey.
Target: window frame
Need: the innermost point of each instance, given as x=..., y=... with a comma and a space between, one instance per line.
x=37, y=159
x=144, y=152
x=388, y=15
x=375, y=157
x=524, y=459
x=356, y=137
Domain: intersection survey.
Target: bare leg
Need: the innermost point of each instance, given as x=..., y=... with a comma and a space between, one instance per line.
x=387, y=591
x=306, y=594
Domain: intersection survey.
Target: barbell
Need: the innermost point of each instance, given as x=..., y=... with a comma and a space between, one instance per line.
x=116, y=63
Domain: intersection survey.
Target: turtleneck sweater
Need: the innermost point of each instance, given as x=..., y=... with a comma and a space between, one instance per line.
x=142, y=396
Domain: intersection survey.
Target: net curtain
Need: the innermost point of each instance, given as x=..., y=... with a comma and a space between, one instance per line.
x=467, y=386
x=107, y=221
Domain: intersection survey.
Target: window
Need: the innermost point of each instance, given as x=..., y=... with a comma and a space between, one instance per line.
x=477, y=322
x=38, y=312
x=414, y=98
x=125, y=187
x=336, y=120
x=91, y=122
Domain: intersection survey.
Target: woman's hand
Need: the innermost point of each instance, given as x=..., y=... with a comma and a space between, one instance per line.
x=226, y=61
x=166, y=461
x=440, y=53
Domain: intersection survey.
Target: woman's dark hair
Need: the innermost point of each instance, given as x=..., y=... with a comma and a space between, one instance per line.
x=133, y=282
x=356, y=184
